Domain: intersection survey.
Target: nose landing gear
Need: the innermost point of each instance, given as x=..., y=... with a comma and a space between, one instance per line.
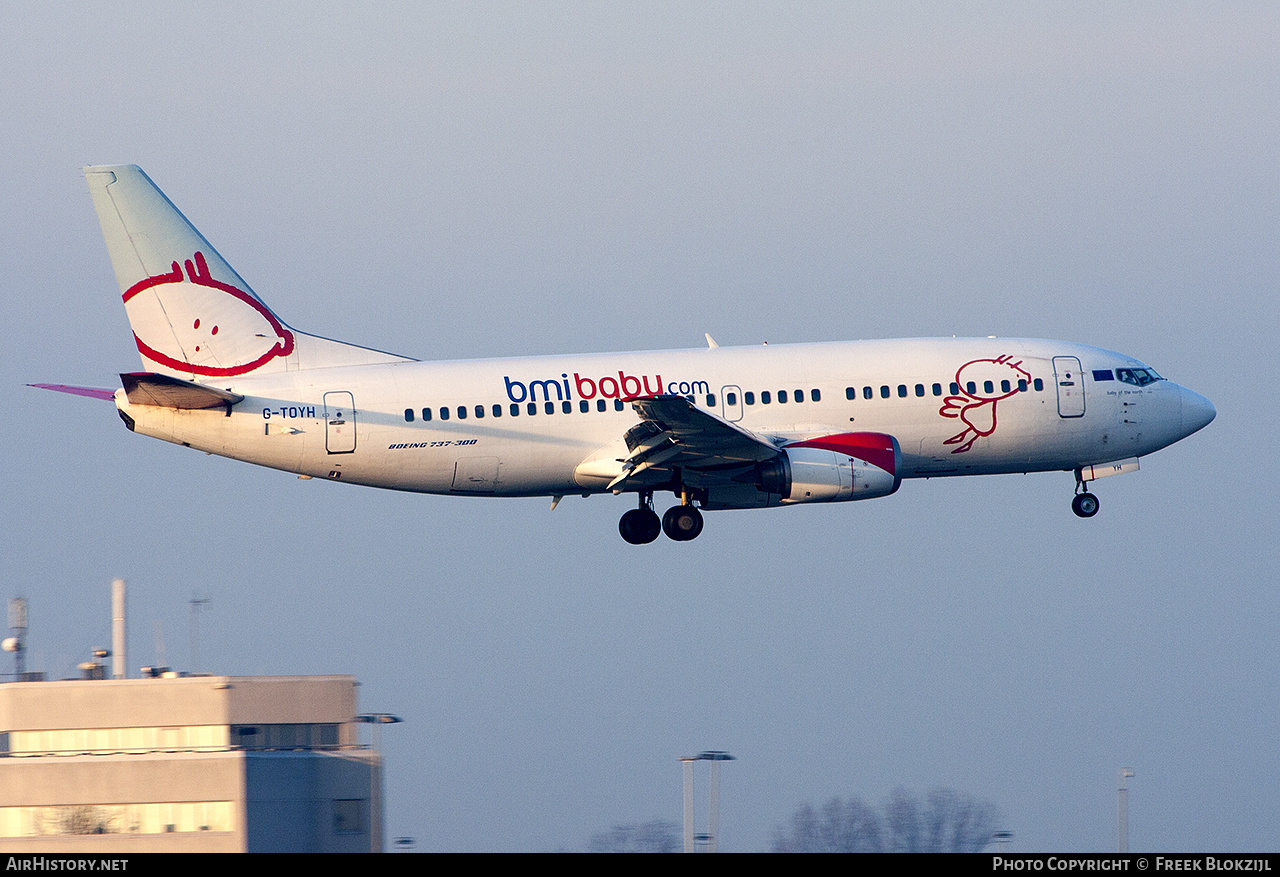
x=1085, y=504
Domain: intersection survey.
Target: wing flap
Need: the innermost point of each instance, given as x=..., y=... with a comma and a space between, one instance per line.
x=706, y=439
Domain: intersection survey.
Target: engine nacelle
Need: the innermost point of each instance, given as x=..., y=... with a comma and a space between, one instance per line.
x=834, y=468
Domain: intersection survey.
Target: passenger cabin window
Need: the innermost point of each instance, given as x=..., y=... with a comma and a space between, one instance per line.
x=566, y=406
x=867, y=394
x=988, y=387
x=426, y=413
x=782, y=396
x=731, y=398
x=600, y=404
x=884, y=391
x=937, y=389
x=749, y=397
x=497, y=410
x=515, y=409
x=919, y=389
x=549, y=406
x=815, y=395
x=902, y=391
x=479, y=411
x=711, y=400
x=532, y=408
x=849, y=393
x=408, y=415
x=444, y=413
x=617, y=405
x=462, y=412
x=765, y=397
x=1038, y=384
x=955, y=389
x=1005, y=387
x=584, y=406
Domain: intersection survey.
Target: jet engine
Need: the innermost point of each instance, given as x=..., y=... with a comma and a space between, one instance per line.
x=834, y=468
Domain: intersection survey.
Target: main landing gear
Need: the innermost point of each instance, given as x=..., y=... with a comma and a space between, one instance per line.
x=641, y=525
x=1085, y=504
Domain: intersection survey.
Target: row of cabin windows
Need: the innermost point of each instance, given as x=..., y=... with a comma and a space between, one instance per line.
x=730, y=398
x=766, y=397
x=584, y=405
x=971, y=387
x=461, y=412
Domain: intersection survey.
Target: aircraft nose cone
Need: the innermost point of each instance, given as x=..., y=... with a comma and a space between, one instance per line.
x=1197, y=411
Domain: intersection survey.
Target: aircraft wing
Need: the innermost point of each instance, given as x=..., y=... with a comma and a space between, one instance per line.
x=674, y=432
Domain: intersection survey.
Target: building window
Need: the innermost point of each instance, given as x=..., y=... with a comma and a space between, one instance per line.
x=348, y=815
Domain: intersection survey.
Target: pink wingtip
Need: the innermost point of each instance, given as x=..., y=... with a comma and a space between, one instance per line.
x=94, y=392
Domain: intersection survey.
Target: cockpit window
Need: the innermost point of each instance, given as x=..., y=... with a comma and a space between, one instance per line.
x=1139, y=377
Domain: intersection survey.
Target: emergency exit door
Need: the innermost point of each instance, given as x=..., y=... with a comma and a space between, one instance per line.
x=339, y=423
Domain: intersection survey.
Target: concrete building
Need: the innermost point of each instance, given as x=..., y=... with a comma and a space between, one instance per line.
x=201, y=763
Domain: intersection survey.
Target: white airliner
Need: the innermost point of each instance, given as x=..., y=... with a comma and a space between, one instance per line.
x=720, y=428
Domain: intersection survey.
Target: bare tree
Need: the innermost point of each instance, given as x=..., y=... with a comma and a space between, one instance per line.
x=947, y=822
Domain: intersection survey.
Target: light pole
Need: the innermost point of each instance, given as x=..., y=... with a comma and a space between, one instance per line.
x=377, y=720
x=1122, y=810
x=711, y=838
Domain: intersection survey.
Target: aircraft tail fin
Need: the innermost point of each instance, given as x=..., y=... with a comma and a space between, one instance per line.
x=192, y=315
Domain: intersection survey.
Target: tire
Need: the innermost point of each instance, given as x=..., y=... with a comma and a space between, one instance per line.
x=639, y=526
x=682, y=523
x=1085, y=505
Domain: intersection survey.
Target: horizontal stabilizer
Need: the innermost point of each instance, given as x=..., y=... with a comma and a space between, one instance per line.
x=92, y=392
x=164, y=391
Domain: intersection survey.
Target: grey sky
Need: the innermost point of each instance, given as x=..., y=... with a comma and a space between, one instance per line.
x=469, y=179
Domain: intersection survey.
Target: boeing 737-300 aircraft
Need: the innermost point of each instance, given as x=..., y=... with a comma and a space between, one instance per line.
x=720, y=428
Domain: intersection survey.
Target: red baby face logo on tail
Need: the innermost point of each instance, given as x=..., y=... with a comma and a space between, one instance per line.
x=195, y=324
x=992, y=380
